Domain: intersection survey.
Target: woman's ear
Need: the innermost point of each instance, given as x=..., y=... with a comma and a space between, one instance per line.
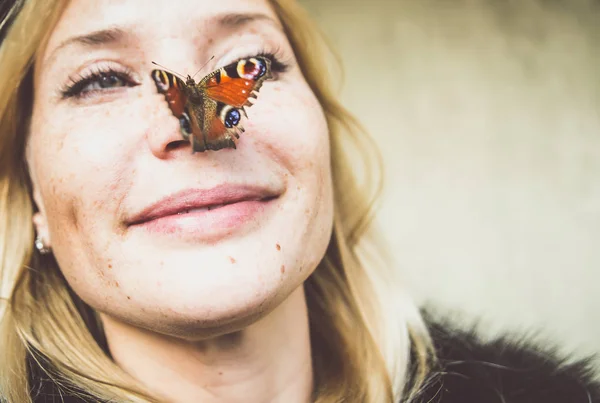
x=41, y=229
x=40, y=222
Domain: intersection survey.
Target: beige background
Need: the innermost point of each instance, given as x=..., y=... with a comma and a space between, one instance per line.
x=487, y=114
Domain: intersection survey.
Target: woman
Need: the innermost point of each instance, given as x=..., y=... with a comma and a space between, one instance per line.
x=137, y=269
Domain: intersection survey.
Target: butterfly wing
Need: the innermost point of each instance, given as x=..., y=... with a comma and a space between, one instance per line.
x=236, y=83
x=227, y=91
x=173, y=88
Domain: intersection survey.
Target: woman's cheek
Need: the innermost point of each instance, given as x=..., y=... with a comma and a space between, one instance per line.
x=290, y=125
x=83, y=159
x=96, y=136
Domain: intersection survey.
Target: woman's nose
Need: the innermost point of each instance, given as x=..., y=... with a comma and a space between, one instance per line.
x=165, y=138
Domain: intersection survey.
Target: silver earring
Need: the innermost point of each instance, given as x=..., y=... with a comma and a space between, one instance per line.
x=39, y=244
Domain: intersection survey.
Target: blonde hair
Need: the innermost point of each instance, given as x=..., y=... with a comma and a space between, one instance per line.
x=363, y=330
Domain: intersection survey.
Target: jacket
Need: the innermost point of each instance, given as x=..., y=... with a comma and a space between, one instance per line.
x=507, y=369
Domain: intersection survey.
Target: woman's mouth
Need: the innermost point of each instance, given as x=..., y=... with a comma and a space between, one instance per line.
x=204, y=214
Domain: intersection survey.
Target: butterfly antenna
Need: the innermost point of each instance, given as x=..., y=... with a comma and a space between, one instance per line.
x=169, y=70
x=203, y=66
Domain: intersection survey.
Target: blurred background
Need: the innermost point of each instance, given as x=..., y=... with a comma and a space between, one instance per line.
x=487, y=113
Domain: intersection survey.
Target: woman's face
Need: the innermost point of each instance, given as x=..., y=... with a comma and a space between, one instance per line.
x=104, y=149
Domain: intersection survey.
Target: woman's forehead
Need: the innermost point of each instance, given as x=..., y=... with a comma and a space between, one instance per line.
x=89, y=23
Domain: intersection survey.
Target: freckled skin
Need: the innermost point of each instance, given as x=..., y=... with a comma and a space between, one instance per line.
x=96, y=160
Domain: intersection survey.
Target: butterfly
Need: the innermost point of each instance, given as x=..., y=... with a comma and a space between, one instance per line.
x=210, y=111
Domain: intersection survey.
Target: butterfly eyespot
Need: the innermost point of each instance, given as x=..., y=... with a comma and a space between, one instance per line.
x=185, y=124
x=161, y=79
x=232, y=118
x=251, y=69
x=259, y=68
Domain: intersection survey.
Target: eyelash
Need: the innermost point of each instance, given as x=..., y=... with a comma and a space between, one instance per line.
x=76, y=87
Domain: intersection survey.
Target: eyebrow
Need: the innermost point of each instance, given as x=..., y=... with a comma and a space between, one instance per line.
x=91, y=40
x=114, y=35
x=233, y=20
x=101, y=37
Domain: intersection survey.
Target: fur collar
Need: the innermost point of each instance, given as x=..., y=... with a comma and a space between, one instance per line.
x=509, y=369
x=505, y=370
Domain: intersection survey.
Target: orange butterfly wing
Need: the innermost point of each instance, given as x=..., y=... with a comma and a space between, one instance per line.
x=172, y=88
x=213, y=122
x=236, y=83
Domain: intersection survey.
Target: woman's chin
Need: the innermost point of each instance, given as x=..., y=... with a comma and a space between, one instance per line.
x=197, y=317
x=206, y=303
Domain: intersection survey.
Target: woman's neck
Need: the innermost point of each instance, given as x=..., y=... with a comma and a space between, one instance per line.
x=270, y=361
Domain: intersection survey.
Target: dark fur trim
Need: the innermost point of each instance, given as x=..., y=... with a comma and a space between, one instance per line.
x=508, y=369
x=504, y=370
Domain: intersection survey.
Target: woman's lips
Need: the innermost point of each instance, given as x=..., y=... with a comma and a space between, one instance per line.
x=205, y=214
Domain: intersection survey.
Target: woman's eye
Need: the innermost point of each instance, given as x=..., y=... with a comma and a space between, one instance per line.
x=95, y=82
x=106, y=81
